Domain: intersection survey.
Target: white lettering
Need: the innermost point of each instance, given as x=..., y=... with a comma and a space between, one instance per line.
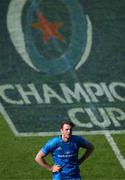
x=89, y=93
x=116, y=115
x=98, y=91
x=72, y=114
x=3, y=93
x=102, y=120
x=76, y=94
x=107, y=92
x=100, y=117
x=113, y=87
x=25, y=94
x=50, y=93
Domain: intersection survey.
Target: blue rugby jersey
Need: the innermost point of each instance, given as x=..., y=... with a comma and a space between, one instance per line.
x=65, y=154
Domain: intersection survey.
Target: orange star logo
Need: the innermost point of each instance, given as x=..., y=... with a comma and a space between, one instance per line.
x=48, y=29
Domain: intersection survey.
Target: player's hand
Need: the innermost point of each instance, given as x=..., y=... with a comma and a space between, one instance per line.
x=56, y=168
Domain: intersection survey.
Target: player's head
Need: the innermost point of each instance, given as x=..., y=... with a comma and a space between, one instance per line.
x=66, y=129
x=68, y=123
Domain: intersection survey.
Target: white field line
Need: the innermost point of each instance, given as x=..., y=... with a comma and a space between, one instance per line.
x=26, y=134
x=116, y=150
x=8, y=120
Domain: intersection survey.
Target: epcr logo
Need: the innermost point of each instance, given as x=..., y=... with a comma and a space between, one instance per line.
x=50, y=40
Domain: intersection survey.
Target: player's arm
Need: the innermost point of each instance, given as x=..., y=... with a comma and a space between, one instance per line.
x=88, y=151
x=40, y=159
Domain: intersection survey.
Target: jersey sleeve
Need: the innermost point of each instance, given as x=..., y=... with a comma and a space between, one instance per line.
x=48, y=147
x=82, y=142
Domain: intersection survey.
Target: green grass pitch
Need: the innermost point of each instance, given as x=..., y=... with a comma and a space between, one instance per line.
x=17, y=157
